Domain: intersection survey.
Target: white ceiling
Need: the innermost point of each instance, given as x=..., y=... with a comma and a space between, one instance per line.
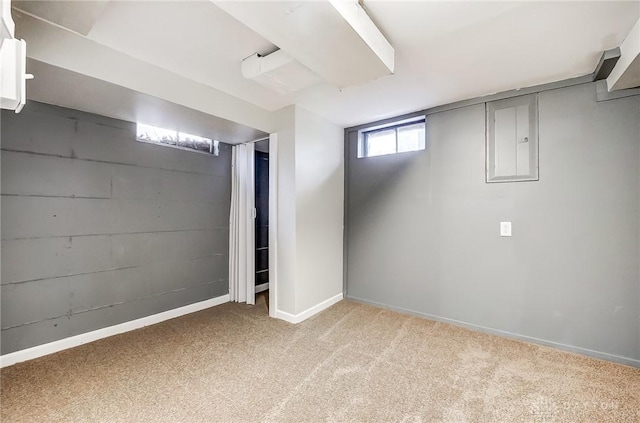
x=336, y=39
x=194, y=39
x=451, y=51
x=445, y=51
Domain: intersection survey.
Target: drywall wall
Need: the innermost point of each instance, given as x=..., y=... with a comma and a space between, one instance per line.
x=310, y=210
x=286, y=209
x=99, y=229
x=319, y=209
x=423, y=228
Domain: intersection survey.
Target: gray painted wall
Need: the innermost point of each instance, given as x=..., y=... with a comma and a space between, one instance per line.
x=99, y=229
x=423, y=228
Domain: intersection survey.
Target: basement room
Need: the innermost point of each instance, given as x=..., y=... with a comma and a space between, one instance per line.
x=320, y=211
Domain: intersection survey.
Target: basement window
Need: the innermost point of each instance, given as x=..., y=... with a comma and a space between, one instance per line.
x=397, y=137
x=176, y=139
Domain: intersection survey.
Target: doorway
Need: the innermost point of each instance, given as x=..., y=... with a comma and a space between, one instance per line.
x=261, y=172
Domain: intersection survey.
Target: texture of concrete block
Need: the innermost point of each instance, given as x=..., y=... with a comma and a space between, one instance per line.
x=99, y=229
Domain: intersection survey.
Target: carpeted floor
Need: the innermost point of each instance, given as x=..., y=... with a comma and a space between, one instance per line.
x=352, y=362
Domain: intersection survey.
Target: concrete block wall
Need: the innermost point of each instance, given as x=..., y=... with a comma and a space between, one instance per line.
x=100, y=229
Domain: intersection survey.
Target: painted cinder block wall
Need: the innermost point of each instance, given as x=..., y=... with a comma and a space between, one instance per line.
x=100, y=229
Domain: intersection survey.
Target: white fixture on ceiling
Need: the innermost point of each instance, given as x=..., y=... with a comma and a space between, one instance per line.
x=278, y=71
x=336, y=40
x=13, y=64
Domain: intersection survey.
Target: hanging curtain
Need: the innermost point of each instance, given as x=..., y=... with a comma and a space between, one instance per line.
x=242, y=274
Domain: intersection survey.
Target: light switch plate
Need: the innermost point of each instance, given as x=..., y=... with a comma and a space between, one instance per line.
x=505, y=228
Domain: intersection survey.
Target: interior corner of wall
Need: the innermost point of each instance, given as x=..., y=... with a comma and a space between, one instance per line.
x=284, y=117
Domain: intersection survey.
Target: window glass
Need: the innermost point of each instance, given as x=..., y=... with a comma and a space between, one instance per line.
x=163, y=136
x=194, y=141
x=155, y=134
x=401, y=137
x=381, y=142
x=411, y=137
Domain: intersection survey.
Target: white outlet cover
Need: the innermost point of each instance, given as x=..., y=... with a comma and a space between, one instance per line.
x=505, y=228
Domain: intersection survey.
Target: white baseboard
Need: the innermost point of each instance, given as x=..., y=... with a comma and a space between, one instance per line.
x=302, y=316
x=84, y=338
x=262, y=287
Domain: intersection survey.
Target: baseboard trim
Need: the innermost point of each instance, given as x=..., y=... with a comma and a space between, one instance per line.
x=262, y=287
x=569, y=348
x=84, y=338
x=302, y=316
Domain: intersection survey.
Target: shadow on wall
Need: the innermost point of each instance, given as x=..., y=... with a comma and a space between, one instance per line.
x=320, y=218
x=383, y=173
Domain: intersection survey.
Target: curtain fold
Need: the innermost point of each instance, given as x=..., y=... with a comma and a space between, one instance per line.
x=242, y=225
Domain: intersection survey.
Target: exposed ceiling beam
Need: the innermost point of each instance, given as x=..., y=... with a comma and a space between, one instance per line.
x=129, y=105
x=335, y=39
x=59, y=47
x=606, y=64
x=626, y=73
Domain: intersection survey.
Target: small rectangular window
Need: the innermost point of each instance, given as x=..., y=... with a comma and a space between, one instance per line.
x=399, y=137
x=182, y=140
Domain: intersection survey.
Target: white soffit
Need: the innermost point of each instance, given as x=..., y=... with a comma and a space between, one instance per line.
x=626, y=73
x=62, y=48
x=129, y=105
x=78, y=16
x=334, y=39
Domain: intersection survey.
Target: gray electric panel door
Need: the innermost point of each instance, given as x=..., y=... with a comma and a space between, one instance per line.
x=512, y=139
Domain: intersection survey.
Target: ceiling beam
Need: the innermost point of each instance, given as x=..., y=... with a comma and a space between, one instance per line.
x=335, y=39
x=626, y=73
x=606, y=64
x=117, y=102
x=59, y=47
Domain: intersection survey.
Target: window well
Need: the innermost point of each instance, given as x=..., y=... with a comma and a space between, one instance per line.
x=171, y=138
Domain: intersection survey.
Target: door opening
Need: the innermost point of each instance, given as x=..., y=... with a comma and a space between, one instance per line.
x=262, y=220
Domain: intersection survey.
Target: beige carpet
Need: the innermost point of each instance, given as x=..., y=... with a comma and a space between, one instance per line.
x=350, y=363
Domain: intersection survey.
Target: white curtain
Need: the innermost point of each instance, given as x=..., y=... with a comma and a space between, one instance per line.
x=242, y=274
